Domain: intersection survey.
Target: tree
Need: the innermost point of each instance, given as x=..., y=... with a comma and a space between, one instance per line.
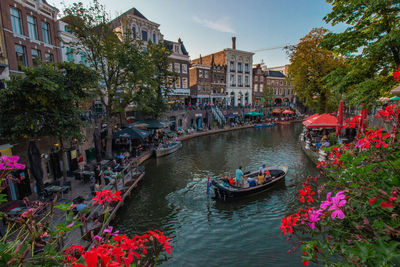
x=44, y=102
x=371, y=43
x=268, y=95
x=128, y=73
x=309, y=65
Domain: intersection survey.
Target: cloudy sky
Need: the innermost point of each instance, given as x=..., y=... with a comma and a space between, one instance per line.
x=207, y=26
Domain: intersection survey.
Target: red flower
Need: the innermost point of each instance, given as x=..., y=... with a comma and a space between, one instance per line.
x=393, y=199
x=305, y=262
x=306, y=194
x=396, y=75
x=372, y=201
x=106, y=196
x=386, y=205
x=288, y=222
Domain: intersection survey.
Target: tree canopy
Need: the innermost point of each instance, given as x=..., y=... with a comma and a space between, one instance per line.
x=310, y=63
x=371, y=43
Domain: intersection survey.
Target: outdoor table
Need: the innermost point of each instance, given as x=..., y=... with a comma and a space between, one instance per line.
x=84, y=175
x=57, y=189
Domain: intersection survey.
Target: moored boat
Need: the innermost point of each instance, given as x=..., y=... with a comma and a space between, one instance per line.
x=263, y=125
x=167, y=149
x=228, y=192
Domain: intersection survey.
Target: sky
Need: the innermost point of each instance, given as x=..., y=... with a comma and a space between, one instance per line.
x=208, y=26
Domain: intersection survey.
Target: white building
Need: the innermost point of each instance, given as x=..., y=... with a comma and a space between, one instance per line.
x=70, y=51
x=133, y=22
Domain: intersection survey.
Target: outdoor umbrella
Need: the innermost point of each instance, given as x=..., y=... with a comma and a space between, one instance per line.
x=97, y=144
x=276, y=110
x=149, y=124
x=322, y=121
x=35, y=165
x=395, y=98
x=287, y=111
x=132, y=133
x=340, y=118
x=253, y=114
x=310, y=117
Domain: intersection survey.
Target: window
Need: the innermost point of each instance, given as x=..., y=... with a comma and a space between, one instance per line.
x=144, y=36
x=261, y=87
x=170, y=67
x=256, y=87
x=240, y=67
x=205, y=74
x=178, y=83
x=268, y=82
x=256, y=78
x=32, y=28
x=49, y=57
x=199, y=88
x=246, y=81
x=46, y=32
x=184, y=82
x=240, y=82
x=133, y=32
x=154, y=38
x=281, y=83
x=21, y=56
x=16, y=21
x=232, y=66
x=36, y=57
x=177, y=68
x=262, y=79
x=83, y=58
x=176, y=49
x=246, y=68
x=184, y=68
x=233, y=80
x=201, y=73
x=70, y=55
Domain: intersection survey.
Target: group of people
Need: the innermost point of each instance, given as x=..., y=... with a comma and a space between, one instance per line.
x=242, y=181
x=108, y=175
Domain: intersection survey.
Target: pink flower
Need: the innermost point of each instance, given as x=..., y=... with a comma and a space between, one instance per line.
x=109, y=231
x=338, y=202
x=70, y=225
x=326, y=203
x=97, y=238
x=313, y=217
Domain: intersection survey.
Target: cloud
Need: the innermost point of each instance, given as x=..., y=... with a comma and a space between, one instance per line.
x=221, y=25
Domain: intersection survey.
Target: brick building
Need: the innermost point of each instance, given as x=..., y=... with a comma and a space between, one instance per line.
x=4, y=71
x=30, y=32
x=179, y=63
x=200, y=83
x=238, y=76
x=267, y=78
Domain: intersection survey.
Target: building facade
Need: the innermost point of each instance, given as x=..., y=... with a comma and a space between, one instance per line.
x=70, y=51
x=4, y=70
x=138, y=26
x=200, y=83
x=238, y=79
x=179, y=63
x=30, y=32
x=269, y=79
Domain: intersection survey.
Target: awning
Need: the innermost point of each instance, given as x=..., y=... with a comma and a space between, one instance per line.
x=131, y=133
x=310, y=117
x=322, y=121
x=288, y=112
x=149, y=124
x=253, y=114
x=395, y=98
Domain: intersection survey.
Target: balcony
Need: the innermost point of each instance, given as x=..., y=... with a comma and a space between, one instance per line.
x=240, y=70
x=247, y=72
x=233, y=70
x=233, y=85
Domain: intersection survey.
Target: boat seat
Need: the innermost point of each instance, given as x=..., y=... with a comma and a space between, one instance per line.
x=276, y=173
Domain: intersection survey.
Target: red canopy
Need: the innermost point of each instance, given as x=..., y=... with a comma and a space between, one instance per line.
x=288, y=111
x=276, y=110
x=322, y=121
x=310, y=117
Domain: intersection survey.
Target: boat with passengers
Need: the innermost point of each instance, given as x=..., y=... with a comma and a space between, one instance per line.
x=262, y=125
x=166, y=149
x=228, y=191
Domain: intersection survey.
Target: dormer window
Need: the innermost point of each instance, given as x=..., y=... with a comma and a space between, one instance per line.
x=176, y=49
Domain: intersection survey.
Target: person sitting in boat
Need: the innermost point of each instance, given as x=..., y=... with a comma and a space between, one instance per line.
x=263, y=168
x=239, y=175
x=261, y=178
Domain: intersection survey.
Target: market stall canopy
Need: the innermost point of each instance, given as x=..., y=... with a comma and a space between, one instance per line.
x=288, y=111
x=149, y=124
x=310, y=117
x=322, y=121
x=131, y=133
x=276, y=110
x=253, y=113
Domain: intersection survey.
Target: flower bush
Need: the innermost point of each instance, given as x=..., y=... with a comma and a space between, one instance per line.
x=354, y=219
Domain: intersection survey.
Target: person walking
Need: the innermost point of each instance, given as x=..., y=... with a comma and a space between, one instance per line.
x=98, y=173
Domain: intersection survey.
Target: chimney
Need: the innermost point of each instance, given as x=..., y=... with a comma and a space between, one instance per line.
x=201, y=60
x=233, y=42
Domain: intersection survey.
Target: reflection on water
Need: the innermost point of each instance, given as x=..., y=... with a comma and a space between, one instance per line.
x=172, y=198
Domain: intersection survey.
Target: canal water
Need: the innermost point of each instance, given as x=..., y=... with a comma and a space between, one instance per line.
x=204, y=232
